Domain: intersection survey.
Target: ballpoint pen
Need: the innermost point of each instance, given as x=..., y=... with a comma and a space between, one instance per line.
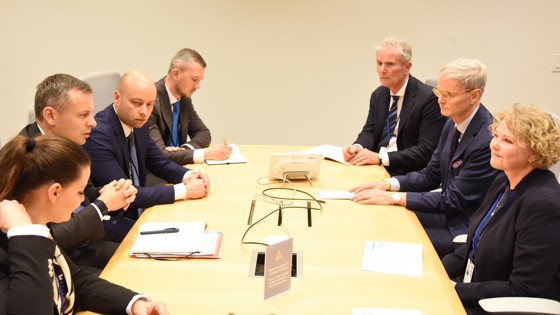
x=164, y=231
x=225, y=142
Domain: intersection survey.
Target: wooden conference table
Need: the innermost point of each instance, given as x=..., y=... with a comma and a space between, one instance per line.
x=332, y=250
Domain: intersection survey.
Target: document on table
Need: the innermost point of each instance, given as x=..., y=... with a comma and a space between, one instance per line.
x=335, y=194
x=234, y=158
x=384, y=311
x=188, y=239
x=330, y=152
x=394, y=258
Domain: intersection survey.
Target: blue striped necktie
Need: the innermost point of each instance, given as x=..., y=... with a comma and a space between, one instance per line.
x=174, y=140
x=390, y=124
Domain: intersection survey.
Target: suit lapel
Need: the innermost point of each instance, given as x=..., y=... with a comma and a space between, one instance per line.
x=408, y=102
x=164, y=104
x=471, y=132
x=119, y=135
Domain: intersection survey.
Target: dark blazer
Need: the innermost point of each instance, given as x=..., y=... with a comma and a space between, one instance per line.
x=26, y=286
x=190, y=126
x=108, y=150
x=420, y=126
x=84, y=227
x=519, y=251
x=464, y=179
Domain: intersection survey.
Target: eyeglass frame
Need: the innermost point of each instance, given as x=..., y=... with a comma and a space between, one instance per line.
x=446, y=96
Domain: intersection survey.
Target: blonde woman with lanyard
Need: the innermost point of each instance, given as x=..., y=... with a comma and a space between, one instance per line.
x=513, y=246
x=42, y=181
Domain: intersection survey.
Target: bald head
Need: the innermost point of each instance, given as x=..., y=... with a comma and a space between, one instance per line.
x=134, y=98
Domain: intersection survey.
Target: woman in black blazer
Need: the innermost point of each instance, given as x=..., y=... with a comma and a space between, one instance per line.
x=513, y=243
x=43, y=181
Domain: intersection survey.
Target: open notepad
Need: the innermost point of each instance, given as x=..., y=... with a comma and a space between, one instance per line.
x=234, y=158
x=191, y=240
x=330, y=152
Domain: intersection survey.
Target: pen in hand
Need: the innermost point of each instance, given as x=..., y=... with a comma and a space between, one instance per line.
x=225, y=142
x=164, y=231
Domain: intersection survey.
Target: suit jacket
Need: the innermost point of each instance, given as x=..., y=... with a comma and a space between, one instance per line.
x=190, y=126
x=110, y=159
x=83, y=227
x=519, y=251
x=420, y=123
x=26, y=286
x=464, y=178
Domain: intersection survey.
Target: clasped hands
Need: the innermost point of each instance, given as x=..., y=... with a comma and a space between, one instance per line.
x=355, y=155
x=198, y=185
x=118, y=194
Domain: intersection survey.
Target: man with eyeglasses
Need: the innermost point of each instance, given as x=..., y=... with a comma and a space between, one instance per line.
x=404, y=121
x=460, y=166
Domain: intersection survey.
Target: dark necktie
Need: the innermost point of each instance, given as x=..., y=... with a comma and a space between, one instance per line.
x=390, y=123
x=133, y=167
x=174, y=141
x=454, y=142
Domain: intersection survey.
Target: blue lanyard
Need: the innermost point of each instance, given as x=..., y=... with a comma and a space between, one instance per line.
x=487, y=218
x=389, y=131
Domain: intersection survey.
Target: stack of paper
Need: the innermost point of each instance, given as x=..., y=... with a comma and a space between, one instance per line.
x=394, y=258
x=189, y=240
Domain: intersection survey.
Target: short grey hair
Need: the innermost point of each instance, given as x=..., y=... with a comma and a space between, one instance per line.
x=184, y=56
x=471, y=73
x=53, y=92
x=403, y=47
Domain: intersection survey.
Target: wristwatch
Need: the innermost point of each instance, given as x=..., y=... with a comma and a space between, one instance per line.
x=396, y=197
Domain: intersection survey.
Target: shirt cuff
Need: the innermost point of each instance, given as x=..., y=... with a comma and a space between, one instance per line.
x=395, y=185
x=32, y=229
x=188, y=146
x=180, y=191
x=359, y=145
x=198, y=156
x=384, y=157
x=134, y=299
x=101, y=208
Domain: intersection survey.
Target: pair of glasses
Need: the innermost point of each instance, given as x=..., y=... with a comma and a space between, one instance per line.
x=446, y=95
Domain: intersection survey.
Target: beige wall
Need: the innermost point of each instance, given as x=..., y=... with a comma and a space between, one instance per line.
x=279, y=72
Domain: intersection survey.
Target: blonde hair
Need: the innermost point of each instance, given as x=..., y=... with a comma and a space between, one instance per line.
x=535, y=127
x=403, y=47
x=470, y=72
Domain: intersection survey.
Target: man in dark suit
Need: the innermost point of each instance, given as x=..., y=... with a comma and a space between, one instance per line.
x=121, y=146
x=64, y=107
x=186, y=139
x=404, y=121
x=460, y=165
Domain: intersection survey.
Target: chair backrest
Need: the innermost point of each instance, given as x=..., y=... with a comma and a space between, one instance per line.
x=431, y=82
x=103, y=84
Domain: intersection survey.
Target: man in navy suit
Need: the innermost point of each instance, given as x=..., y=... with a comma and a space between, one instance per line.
x=460, y=165
x=404, y=122
x=121, y=146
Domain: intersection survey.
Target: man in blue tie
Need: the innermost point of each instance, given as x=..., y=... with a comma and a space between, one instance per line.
x=175, y=126
x=460, y=165
x=404, y=121
x=121, y=130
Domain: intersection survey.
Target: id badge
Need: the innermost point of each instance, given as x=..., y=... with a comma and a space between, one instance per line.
x=468, y=271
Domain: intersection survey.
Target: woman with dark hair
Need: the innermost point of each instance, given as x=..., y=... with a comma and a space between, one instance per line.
x=43, y=181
